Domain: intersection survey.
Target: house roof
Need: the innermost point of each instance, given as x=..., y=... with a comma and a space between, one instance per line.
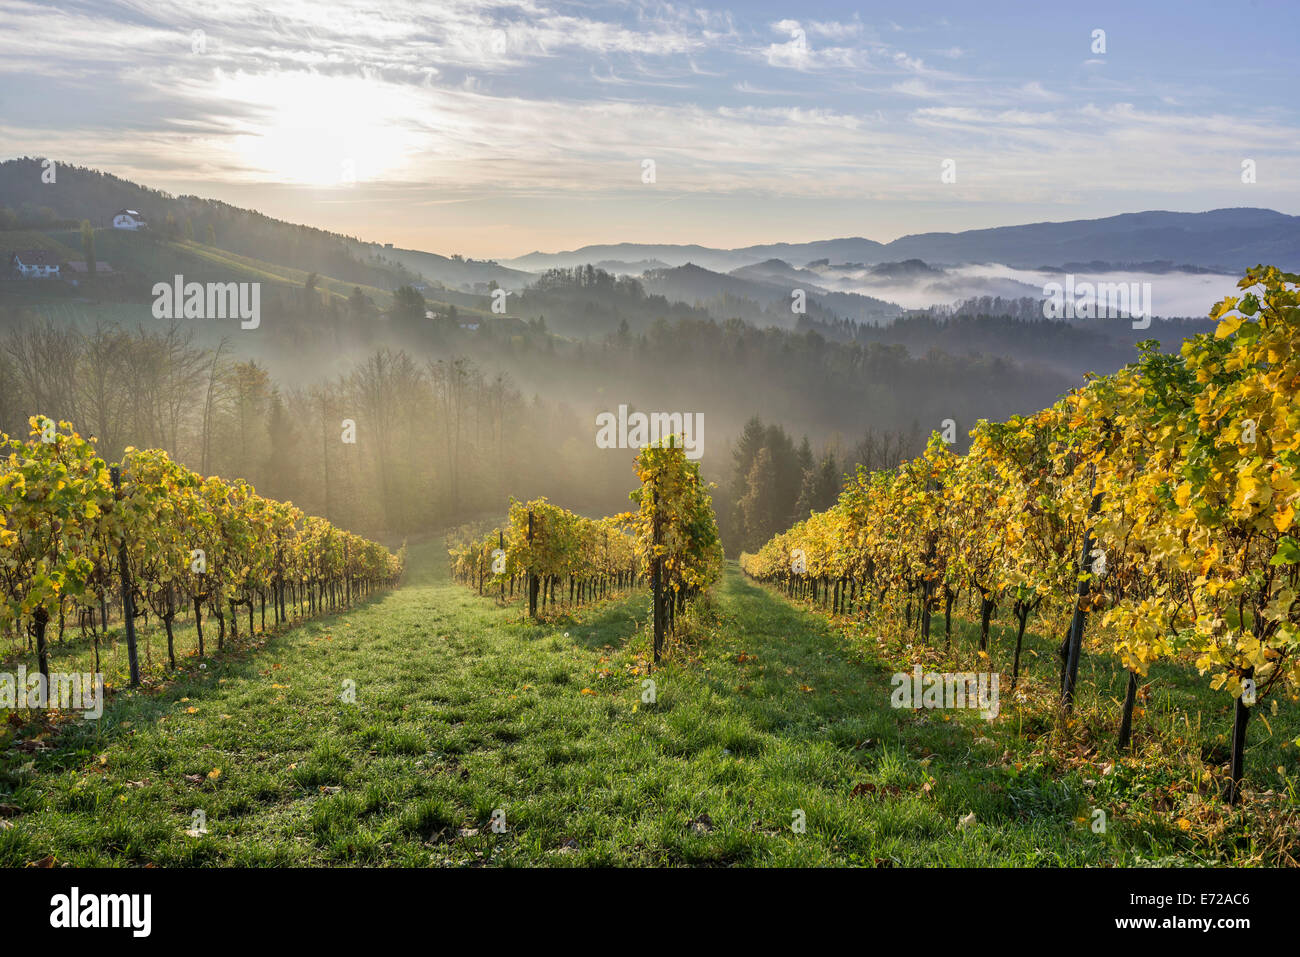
x=128, y=212
x=34, y=257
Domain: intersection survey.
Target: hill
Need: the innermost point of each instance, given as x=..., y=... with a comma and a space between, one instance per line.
x=763, y=294
x=80, y=194
x=1228, y=240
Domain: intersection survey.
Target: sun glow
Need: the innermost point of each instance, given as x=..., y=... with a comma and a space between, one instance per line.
x=315, y=130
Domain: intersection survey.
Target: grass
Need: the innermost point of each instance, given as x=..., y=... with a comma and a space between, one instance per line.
x=17, y=240
x=464, y=711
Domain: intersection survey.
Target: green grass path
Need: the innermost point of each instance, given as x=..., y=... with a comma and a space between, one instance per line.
x=463, y=709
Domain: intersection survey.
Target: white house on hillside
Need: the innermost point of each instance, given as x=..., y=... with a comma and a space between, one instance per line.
x=35, y=264
x=128, y=219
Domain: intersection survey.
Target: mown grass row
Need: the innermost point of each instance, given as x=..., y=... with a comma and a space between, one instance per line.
x=462, y=710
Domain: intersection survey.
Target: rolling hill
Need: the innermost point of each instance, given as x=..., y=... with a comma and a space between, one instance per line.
x=1221, y=239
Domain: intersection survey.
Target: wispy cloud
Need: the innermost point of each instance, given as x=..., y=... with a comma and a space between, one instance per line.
x=462, y=102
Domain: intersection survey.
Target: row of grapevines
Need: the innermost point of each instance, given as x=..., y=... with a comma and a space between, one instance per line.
x=674, y=522
x=542, y=545
x=1163, y=496
x=65, y=527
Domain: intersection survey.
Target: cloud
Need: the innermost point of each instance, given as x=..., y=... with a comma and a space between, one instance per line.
x=915, y=87
x=1035, y=91
x=491, y=101
x=834, y=30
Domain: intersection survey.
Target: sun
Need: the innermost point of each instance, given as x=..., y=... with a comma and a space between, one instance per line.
x=315, y=130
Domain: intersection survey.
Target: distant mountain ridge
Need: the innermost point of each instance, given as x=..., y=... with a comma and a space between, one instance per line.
x=768, y=285
x=1220, y=239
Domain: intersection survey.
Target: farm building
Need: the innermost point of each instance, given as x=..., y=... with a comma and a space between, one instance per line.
x=34, y=264
x=129, y=219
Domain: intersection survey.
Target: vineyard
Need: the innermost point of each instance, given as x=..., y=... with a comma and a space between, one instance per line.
x=1158, y=502
x=79, y=537
x=495, y=709
x=670, y=541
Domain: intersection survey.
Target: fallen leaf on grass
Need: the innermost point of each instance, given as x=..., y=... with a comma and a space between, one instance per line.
x=702, y=824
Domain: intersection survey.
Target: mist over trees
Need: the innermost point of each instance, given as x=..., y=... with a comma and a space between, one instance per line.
x=454, y=411
x=435, y=440
x=457, y=404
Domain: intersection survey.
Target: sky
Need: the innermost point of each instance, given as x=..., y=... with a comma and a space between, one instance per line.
x=493, y=129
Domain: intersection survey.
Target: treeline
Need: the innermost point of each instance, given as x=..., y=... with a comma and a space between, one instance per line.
x=774, y=483
x=1013, y=329
x=395, y=443
x=734, y=370
x=588, y=302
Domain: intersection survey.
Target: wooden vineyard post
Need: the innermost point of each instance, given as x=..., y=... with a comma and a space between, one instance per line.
x=532, y=578
x=501, y=544
x=1240, y=717
x=1126, y=721
x=1074, y=642
x=657, y=584
x=40, y=618
x=128, y=606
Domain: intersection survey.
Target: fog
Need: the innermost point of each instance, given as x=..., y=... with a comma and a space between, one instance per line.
x=1174, y=293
